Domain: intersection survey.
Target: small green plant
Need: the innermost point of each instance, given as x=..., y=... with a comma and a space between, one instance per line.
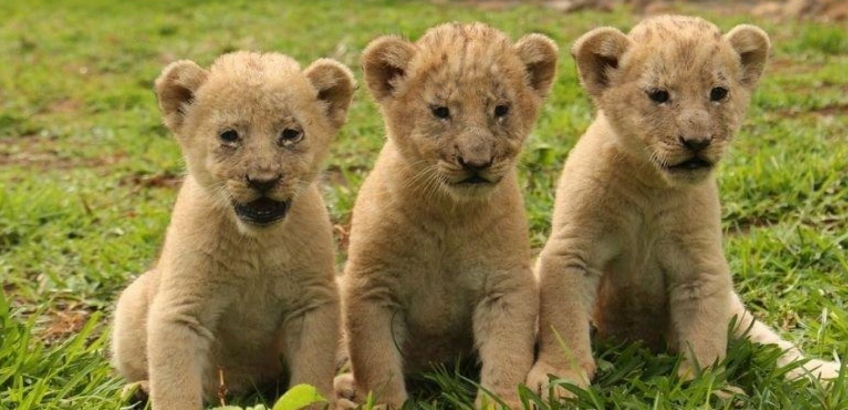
x=295, y=398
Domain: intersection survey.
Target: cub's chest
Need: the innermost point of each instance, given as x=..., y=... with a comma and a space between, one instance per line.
x=444, y=280
x=264, y=276
x=441, y=300
x=441, y=279
x=441, y=309
x=652, y=236
x=262, y=298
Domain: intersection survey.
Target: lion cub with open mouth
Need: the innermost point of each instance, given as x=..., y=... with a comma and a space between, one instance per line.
x=245, y=285
x=439, y=252
x=636, y=238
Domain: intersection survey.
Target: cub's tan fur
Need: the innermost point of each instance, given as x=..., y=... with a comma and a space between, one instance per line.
x=439, y=253
x=245, y=282
x=636, y=237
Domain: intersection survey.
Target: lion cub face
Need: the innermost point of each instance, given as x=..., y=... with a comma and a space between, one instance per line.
x=675, y=89
x=460, y=101
x=254, y=127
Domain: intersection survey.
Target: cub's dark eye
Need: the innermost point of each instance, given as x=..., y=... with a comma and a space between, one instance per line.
x=440, y=111
x=718, y=93
x=290, y=136
x=659, y=96
x=501, y=111
x=229, y=136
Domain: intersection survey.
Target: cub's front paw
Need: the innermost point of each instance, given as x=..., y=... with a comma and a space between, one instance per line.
x=348, y=396
x=344, y=404
x=344, y=387
x=136, y=393
x=539, y=378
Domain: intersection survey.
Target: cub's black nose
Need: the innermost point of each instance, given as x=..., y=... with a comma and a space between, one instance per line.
x=475, y=164
x=263, y=184
x=695, y=144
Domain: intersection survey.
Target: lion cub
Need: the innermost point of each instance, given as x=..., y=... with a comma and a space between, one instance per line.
x=439, y=252
x=636, y=238
x=245, y=284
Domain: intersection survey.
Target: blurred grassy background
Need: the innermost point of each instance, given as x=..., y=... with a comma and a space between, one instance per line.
x=89, y=175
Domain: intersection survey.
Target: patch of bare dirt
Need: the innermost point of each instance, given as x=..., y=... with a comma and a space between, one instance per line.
x=42, y=153
x=62, y=318
x=341, y=231
x=65, y=106
x=819, y=10
x=165, y=180
x=831, y=110
x=491, y=5
x=63, y=321
x=568, y=6
x=789, y=66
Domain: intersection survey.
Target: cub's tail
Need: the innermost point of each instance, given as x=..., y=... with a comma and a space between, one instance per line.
x=748, y=326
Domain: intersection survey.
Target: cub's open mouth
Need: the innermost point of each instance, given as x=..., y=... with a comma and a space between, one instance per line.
x=262, y=211
x=691, y=164
x=474, y=180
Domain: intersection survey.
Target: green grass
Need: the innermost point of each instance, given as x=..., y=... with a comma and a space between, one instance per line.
x=88, y=179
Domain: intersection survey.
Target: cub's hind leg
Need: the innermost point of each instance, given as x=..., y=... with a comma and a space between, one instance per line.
x=129, y=341
x=746, y=325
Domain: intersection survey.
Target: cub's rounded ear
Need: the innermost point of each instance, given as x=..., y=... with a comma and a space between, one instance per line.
x=539, y=55
x=597, y=54
x=335, y=85
x=384, y=63
x=176, y=88
x=753, y=46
